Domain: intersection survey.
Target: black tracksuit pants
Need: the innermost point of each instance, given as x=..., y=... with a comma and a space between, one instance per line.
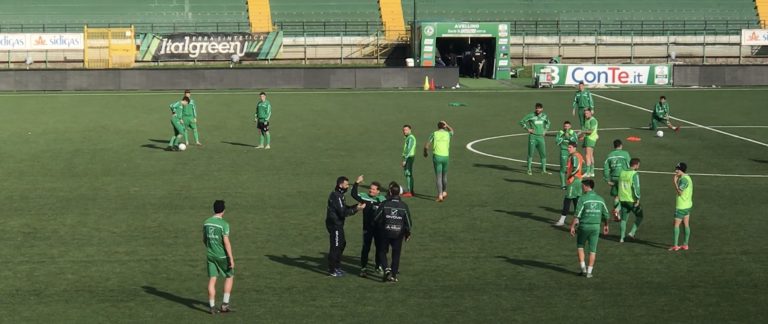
x=337, y=244
x=383, y=248
x=369, y=236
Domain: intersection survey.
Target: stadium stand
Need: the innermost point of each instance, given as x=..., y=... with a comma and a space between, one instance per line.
x=325, y=11
x=260, y=16
x=123, y=12
x=392, y=19
x=762, y=12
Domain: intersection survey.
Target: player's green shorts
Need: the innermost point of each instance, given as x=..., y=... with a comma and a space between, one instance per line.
x=573, y=190
x=189, y=122
x=588, y=142
x=177, y=125
x=219, y=267
x=614, y=187
x=627, y=207
x=440, y=163
x=681, y=213
x=408, y=170
x=588, y=233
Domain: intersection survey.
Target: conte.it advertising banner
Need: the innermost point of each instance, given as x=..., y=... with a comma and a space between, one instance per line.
x=208, y=46
x=41, y=41
x=614, y=75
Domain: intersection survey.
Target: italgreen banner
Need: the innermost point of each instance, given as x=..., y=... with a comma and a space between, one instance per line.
x=208, y=46
x=614, y=75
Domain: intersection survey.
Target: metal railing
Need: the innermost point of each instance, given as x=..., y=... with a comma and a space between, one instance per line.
x=358, y=28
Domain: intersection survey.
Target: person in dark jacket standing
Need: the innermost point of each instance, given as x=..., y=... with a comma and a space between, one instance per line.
x=393, y=224
x=337, y=212
x=371, y=200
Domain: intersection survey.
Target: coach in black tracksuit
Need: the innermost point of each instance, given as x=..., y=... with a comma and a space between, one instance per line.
x=337, y=212
x=393, y=223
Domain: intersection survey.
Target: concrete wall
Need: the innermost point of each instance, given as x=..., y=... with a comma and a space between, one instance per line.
x=720, y=75
x=271, y=78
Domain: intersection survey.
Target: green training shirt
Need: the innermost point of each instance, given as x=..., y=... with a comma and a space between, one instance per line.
x=617, y=161
x=409, y=146
x=539, y=123
x=684, y=199
x=214, y=230
x=441, y=142
x=190, y=111
x=661, y=110
x=583, y=99
x=562, y=139
x=591, y=209
x=629, y=186
x=177, y=110
x=263, y=110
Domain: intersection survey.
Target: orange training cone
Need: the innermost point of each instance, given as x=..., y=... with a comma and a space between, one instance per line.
x=432, y=84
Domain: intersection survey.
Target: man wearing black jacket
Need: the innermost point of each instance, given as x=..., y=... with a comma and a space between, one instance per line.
x=337, y=212
x=393, y=224
x=371, y=200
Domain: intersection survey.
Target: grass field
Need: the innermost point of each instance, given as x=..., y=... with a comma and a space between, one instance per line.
x=102, y=225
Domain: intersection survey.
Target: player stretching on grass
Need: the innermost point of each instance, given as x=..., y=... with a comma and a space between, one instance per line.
x=589, y=136
x=683, y=204
x=440, y=140
x=190, y=119
x=581, y=101
x=660, y=114
x=573, y=191
x=177, y=122
x=537, y=124
x=221, y=262
x=590, y=213
x=629, y=197
x=617, y=161
x=371, y=200
x=409, y=154
x=564, y=137
x=263, y=113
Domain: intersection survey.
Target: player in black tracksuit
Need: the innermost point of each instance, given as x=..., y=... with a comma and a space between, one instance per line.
x=393, y=224
x=371, y=199
x=337, y=212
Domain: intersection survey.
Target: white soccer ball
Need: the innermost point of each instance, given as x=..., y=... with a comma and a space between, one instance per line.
x=659, y=133
x=182, y=147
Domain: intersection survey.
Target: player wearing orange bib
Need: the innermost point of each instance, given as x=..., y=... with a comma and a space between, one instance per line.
x=574, y=174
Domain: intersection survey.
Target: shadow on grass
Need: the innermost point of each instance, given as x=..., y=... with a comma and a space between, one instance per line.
x=554, y=210
x=189, y=302
x=317, y=264
x=153, y=146
x=238, y=144
x=527, y=215
x=759, y=161
x=425, y=197
x=158, y=140
x=529, y=182
x=537, y=264
x=498, y=167
x=627, y=240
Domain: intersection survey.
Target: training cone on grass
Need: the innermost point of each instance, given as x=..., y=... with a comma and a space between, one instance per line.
x=426, y=83
x=432, y=84
x=633, y=139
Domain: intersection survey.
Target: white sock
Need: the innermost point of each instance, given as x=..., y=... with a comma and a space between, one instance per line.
x=589, y=269
x=212, y=303
x=226, y=298
x=582, y=265
x=562, y=219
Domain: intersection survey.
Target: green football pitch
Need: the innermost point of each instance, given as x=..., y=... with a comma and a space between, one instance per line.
x=102, y=225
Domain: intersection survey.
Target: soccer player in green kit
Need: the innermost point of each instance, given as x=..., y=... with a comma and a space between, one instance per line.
x=660, y=114
x=617, y=161
x=263, y=113
x=440, y=140
x=683, y=205
x=564, y=137
x=590, y=213
x=589, y=136
x=177, y=122
x=537, y=124
x=409, y=153
x=189, y=115
x=629, y=199
x=221, y=262
x=581, y=101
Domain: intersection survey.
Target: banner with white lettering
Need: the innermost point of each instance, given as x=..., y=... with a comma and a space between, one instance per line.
x=614, y=75
x=208, y=46
x=41, y=41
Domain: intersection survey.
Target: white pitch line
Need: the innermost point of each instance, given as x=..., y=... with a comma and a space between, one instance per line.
x=470, y=147
x=685, y=121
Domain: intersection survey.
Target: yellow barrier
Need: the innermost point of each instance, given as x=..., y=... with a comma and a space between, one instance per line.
x=109, y=48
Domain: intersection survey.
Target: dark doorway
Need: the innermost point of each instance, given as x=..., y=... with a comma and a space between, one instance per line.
x=458, y=51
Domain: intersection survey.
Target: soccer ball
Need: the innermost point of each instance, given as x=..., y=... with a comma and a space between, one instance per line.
x=182, y=147
x=659, y=134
